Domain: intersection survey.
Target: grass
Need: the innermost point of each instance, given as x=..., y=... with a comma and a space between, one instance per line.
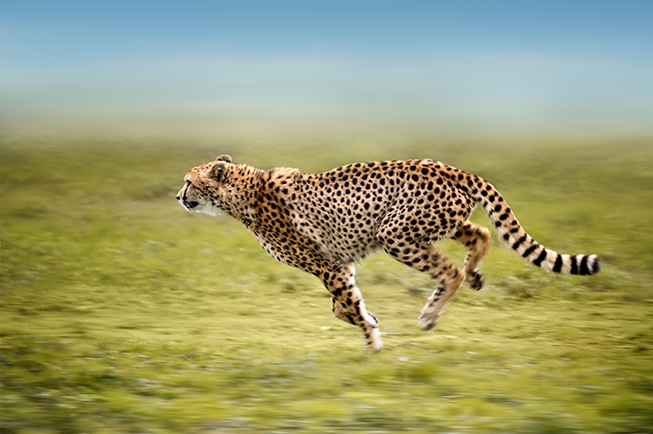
x=122, y=313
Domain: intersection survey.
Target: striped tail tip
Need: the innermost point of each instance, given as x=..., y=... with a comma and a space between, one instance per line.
x=571, y=265
x=582, y=265
x=589, y=264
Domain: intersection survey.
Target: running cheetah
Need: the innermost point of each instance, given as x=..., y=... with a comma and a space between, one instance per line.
x=326, y=222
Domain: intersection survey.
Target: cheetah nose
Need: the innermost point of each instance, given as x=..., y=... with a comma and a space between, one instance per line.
x=177, y=197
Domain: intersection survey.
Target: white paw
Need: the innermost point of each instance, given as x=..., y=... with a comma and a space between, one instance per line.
x=427, y=322
x=375, y=344
x=371, y=319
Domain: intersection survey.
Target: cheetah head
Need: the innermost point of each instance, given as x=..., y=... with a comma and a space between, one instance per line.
x=203, y=190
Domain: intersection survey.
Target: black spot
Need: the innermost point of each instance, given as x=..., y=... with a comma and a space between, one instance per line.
x=584, y=270
x=530, y=250
x=519, y=242
x=558, y=265
x=574, y=264
x=540, y=258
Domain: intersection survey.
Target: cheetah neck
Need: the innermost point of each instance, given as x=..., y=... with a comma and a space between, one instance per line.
x=242, y=190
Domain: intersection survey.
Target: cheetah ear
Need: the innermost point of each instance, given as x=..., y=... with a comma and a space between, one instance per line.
x=224, y=157
x=218, y=171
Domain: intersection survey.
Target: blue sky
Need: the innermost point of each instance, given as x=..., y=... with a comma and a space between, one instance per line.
x=486, y=66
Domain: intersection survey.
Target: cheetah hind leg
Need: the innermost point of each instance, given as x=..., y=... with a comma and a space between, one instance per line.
x=449, y=283
x=477, y=239
x=431, y=261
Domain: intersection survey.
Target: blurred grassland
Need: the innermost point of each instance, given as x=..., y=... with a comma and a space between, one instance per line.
x=121, y=312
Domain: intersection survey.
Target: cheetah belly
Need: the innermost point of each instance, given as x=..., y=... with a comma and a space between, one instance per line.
x=346, y=242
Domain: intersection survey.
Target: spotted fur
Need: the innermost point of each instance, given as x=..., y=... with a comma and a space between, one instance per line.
x=326, y=222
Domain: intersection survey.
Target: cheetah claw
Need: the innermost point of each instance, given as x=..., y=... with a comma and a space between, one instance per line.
x=475, y=280
x=427, y=323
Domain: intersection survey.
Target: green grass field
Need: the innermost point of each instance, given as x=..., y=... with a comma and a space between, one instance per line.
x=123, y=313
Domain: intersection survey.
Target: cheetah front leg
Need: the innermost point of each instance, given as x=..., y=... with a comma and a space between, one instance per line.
x=347, y=301
x=340, y=312
x=478, y=240
x=348, y=305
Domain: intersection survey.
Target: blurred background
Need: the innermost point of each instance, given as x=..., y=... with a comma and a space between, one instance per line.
x=467, y=67
x=122, y=313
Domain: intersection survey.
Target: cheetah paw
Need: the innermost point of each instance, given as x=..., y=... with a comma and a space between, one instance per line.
x=475, y=280
x=374, y=342
x=427, y=322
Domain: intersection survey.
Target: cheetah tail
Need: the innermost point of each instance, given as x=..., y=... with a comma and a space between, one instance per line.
x=511, y=233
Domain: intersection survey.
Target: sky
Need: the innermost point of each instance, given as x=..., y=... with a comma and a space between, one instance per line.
x=474, y=66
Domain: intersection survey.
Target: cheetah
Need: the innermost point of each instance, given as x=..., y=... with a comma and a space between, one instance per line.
x=325, y=223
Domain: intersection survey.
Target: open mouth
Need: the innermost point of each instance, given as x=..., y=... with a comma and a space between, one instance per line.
x=190, y=205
